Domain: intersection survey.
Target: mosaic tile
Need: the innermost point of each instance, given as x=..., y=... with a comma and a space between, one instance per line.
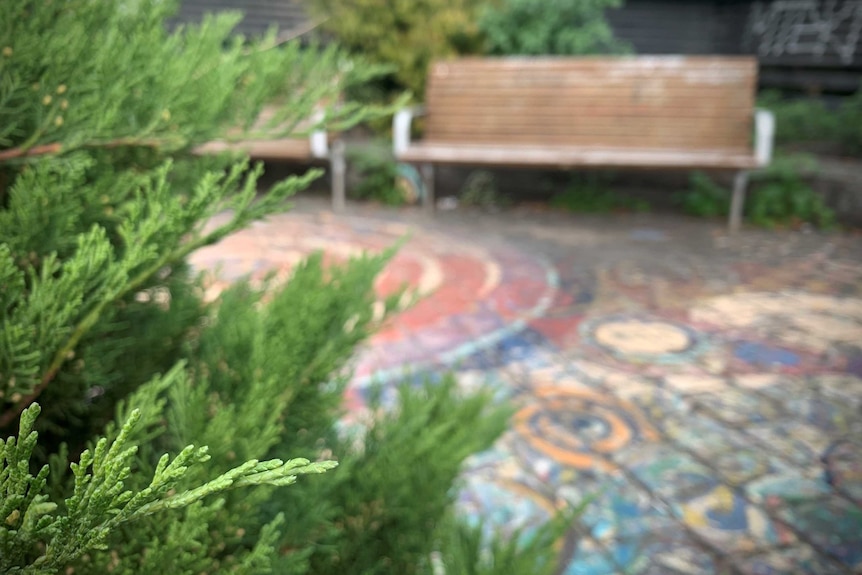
x=846, y=389
x=694, y=384
x=788, y=483
x=738, y=408
x=672, y=552
x=842, y=463
x=832, y=523
x=797, y=443
x=709, y=400
x=797, y=560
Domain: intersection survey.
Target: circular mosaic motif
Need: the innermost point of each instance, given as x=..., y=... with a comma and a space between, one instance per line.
x=579, y=428
x=633, y=337
x=470, y=297
x=643, y=340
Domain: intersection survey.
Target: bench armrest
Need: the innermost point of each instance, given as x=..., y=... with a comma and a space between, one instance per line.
x=764, y=136
x=319, y=139
x=401, y=128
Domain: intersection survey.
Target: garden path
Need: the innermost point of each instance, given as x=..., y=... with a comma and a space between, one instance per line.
x=708, y=390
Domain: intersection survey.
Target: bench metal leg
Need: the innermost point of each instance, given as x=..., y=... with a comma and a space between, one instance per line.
x=428, y=202
x=338, y=169
x=740, y=183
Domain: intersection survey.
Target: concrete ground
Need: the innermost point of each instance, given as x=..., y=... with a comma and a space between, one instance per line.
x=707, y=390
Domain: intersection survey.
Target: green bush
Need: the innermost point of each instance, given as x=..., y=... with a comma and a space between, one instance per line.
x=850, y=124
x=407, y=35
x=531, y=27
x=777, y=196
x=705, y=197
x=480, y=190
x=377, y=170
x=591, y=194
x=404, y=34
x=806, y=121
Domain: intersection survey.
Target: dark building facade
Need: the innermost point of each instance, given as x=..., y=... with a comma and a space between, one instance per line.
x=258, y=15
x=808, y=45
x=813, y=46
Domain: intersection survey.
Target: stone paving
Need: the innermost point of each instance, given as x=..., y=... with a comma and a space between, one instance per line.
x=707, y=391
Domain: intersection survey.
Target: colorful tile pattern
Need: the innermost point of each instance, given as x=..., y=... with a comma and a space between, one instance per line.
x=709, y=399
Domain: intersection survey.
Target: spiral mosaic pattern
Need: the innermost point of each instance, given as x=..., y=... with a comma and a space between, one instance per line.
x=470, y=297
x=579, y=428
x=643, y=340
x=715, y=421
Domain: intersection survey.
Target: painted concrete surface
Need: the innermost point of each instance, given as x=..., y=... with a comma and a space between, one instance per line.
x=706, y=391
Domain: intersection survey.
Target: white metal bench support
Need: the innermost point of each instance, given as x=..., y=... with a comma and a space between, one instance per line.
x=764, y=136
x=401, y=128
x=740, y=183
x=428, y=201
x=338, y=169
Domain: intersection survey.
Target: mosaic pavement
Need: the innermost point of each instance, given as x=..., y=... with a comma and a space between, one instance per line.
x=709, y=397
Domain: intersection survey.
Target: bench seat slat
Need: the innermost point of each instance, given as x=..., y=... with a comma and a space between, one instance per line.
x=280, y=149
x=669, y=103
x=568, y=156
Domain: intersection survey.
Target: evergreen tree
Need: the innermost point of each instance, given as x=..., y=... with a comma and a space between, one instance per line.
x=165, y=424
x=100, y=203
x=99, y=106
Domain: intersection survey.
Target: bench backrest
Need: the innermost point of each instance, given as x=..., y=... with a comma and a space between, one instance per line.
x=652, y=102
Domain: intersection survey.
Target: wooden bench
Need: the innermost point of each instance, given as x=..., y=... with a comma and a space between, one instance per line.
x=597, y=112
x=315, y=148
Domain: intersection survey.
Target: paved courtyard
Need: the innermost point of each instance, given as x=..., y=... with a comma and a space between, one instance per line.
x=708, y=390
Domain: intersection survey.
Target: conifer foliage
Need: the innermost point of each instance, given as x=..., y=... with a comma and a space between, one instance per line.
x=95, y=98
x=149, y=432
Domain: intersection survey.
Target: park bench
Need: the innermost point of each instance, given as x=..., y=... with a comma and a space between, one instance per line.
x=315, y=148
x=640, y=112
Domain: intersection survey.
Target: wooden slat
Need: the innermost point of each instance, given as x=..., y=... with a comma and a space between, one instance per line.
x=608, y=102
x=597, y=141
x=578, y=83
x=580, y=79
x=290, y=148
x=522, y=123
x=563, y=156
x=575, y=79
x=284, y=149
x=707, y=136
x=642, y=102
x=478, y=96
x=628, y=63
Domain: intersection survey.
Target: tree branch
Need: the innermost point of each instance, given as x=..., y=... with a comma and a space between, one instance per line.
x=43, y=150
x=57, y=148
x=90, y=319
x=289, y=36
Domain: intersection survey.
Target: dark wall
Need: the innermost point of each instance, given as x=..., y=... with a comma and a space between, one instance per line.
x=259, y=15
x=671, y=27
x=813, y=44
x=805, y=45
x=808, y=45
